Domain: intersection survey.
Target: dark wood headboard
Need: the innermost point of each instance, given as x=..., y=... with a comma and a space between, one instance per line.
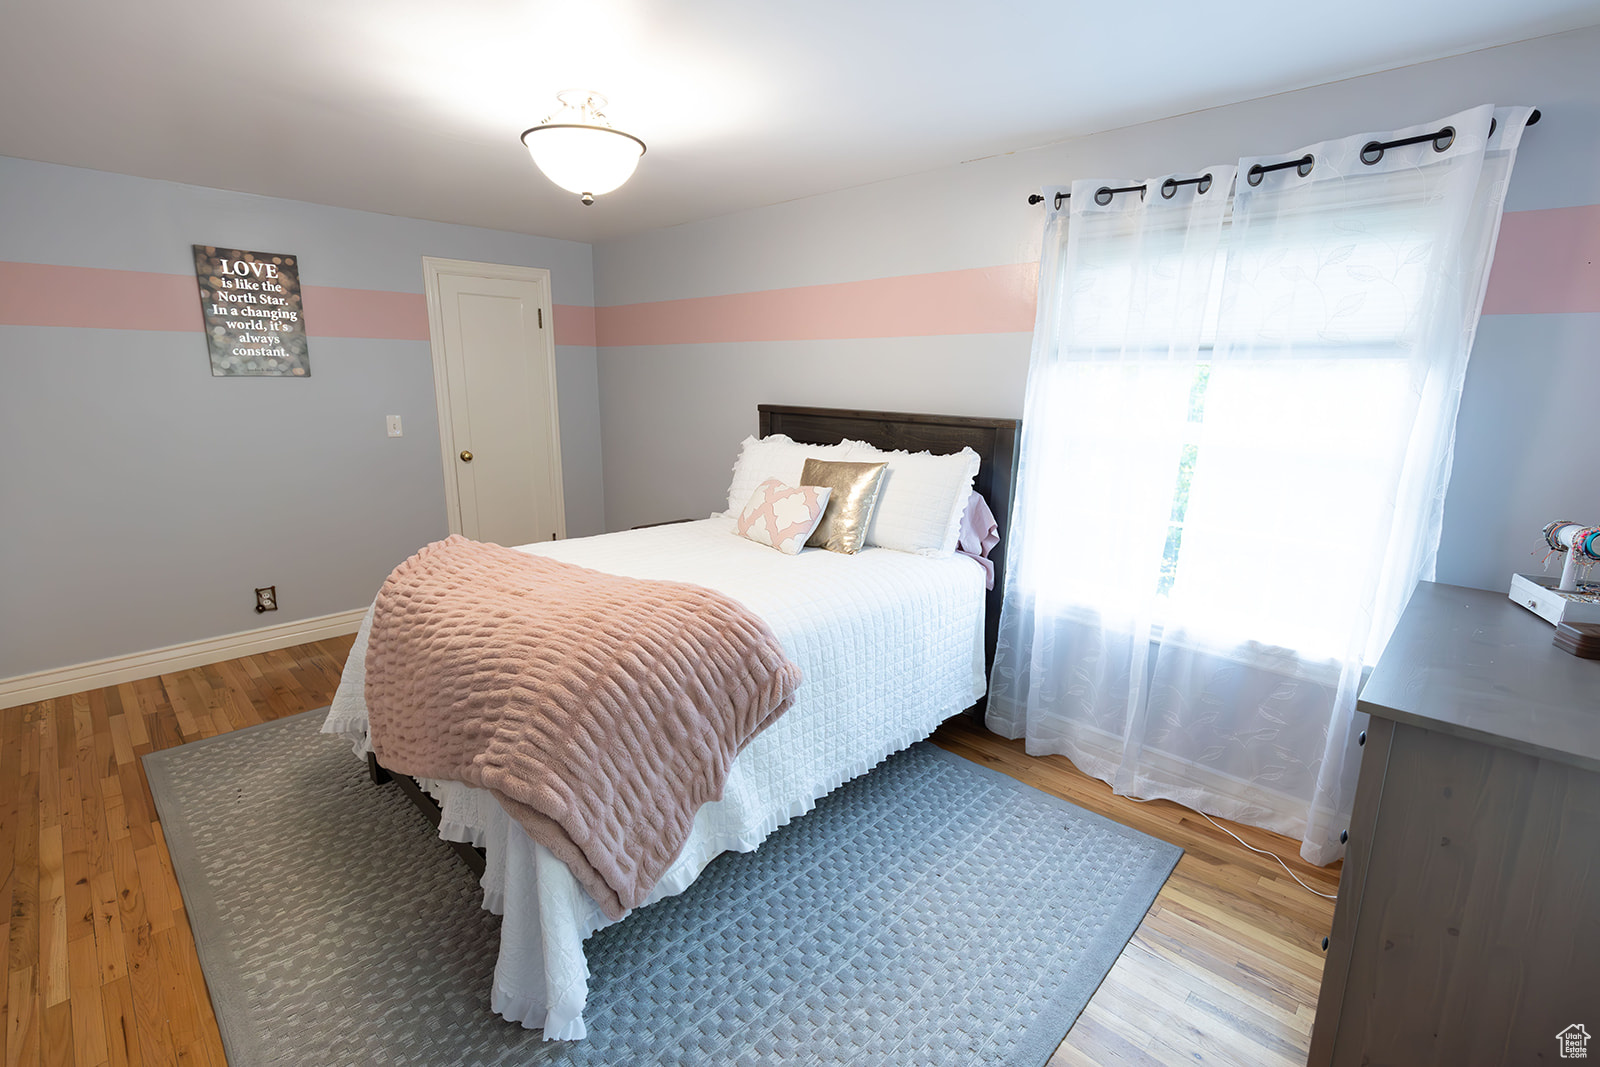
x=994, y=440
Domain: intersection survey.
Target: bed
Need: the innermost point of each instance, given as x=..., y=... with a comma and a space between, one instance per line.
x=890, y=644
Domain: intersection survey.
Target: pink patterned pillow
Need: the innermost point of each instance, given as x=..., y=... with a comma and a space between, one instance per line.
x=782, y=518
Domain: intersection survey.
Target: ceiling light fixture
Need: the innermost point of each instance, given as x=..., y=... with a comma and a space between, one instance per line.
x=579, y=149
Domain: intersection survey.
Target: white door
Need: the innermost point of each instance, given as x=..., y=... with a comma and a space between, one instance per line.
x=494, y=372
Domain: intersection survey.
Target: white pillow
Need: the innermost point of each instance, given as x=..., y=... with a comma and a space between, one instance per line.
x=778, y=456
x=923, y=496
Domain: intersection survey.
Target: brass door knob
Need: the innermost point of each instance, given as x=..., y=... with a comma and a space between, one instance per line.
x=466, y=457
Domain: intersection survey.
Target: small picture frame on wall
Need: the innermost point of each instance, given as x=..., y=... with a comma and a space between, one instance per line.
x=254, y=322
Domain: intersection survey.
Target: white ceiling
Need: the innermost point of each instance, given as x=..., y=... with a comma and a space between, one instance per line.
x=413, y=107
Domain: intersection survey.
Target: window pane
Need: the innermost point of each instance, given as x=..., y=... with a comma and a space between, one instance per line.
x=1288, y=491
x=1112, y=440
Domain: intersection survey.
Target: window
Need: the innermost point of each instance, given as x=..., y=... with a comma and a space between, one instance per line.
x=1267, y=436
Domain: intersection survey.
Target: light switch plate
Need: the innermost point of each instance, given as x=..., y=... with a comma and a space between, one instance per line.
x=394, y=426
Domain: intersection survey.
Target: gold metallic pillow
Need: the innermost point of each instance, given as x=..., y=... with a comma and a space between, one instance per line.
x=855, y=493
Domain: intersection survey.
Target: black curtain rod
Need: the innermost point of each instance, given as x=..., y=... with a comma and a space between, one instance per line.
x=1371, y=153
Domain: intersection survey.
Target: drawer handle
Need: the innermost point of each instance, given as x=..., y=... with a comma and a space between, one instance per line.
x=1361, y=738
x=1533, y=603
x=1344, y=835
x=1324, y=944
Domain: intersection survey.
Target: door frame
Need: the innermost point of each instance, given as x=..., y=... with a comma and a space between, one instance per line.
x=432, y=268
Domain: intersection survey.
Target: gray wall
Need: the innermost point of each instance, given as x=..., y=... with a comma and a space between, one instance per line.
x=672, y=415
x=645, y=392
x=142, y=500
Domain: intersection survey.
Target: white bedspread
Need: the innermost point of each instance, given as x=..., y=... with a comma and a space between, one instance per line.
x=890, y=645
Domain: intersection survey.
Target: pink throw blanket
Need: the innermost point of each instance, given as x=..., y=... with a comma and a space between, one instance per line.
x=602, y=712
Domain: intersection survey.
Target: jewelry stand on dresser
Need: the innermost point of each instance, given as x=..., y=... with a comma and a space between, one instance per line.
x=1467, y=929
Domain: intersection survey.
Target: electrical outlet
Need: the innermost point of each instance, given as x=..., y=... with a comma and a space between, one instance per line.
x=267, y=599
x=393, y=423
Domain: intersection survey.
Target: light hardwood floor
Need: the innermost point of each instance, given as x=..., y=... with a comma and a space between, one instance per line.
x=1226, y=965
x=101, y=966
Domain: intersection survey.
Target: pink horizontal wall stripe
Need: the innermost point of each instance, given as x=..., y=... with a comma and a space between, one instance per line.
x=574, y=324
x=42, y=294
x=39, y=294
x=1546, y=262
x=370, y=313
x=979, y=300
x=96, y=298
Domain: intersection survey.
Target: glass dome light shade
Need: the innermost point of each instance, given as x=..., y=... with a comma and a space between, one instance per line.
x=582, y=158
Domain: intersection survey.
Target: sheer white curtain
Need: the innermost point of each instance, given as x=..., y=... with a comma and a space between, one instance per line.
x=1237, y=438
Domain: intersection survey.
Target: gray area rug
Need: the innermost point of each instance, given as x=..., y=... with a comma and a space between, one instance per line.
x=930, y=912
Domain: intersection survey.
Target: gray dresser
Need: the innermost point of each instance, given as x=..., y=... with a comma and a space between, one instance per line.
x=1467, y=929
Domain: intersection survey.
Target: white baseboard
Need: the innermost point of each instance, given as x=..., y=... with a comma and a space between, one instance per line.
x=43, y=685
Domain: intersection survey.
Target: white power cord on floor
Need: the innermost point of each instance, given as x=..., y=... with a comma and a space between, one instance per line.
x=1248, y=845
x=1264, y=852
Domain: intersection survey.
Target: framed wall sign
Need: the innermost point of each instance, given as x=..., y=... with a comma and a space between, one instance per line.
x=255, y=326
